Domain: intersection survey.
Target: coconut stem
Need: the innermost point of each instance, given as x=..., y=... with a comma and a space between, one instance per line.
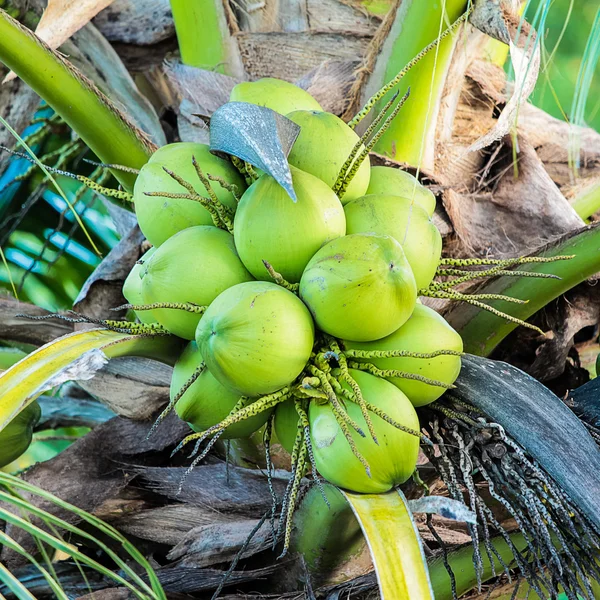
x=336, y=406
x=267, y=434
x=279, y=280
x=385, y=373
x=507, y=262
x=363, y=139
x=225, y=214
x=351, y=353
x=235, y=416
x=187, y=306
x=465, y=276
x=118, y=326
x=175, y=399
x=394, y=82
x=456, y=296
x=368, y=147
x=303, y=419
x=345, y=376
x=220, y=214
x=230, y=187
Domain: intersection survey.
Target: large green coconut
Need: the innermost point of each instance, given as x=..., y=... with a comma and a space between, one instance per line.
x=324, y=144
x=160, y=217
x=16, y=437
x=391, y=462
x=269, y=226
x=426, y=331
x=194, y=266
x=132, y=288
x=256, y=337
x=405, y=221
x=395, y=182
x=359, y=287
x=206, y=402
x=278, y=95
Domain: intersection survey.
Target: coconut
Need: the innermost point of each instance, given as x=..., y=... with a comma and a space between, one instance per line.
x=387, y=180
x=16, y=437
x=256, y=337
x=405, y=221
x=359, y=287
x=276, y=94
x=391, y=461
x=194, y=266
x=206, y=402
x=426, y=331
x=132, y=289
x=269, y=226
x=285, y=424
x=324, y=144
x=160, y=217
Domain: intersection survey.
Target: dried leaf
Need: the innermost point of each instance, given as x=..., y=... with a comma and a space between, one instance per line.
x=540, y=422
x=63, y=18
x=103, y=288
x=501, y=21
x=257, y=135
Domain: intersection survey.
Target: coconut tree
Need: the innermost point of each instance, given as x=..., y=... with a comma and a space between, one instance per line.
x=421, y=86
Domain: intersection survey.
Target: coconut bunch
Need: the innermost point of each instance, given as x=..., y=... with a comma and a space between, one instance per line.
x=302, y=316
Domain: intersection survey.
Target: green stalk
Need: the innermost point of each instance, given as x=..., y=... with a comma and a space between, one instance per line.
x=198, y=24
x=461, y=562
x=588, y=201
x=482, y=331
x=417, y=23
x=76, y=99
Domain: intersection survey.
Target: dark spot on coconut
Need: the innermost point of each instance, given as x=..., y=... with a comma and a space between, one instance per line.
x=213, y=332
x=392, y=265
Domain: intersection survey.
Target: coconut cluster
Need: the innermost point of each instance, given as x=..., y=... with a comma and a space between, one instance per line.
x=303, y=315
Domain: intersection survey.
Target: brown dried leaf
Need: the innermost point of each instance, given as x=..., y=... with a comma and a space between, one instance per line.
x=63, y=18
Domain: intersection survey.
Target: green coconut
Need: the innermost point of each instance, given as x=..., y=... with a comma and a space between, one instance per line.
x=405, y=221
x=359, y=287
x=194, y=266
x=269, y=226
x=276, y=94
x=206, y=402
x=395, y=182
x=16, y=437
x=256, y=337
x=285, y=424
x=323, y=146
x=160, y=217
x=132, y=289
x=391, y=462
x=426, y=331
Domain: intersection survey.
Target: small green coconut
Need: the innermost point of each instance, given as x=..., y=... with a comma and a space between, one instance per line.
x=194, y=266
x=278, y=95
x=132, y=289
x=391, y=462
x=405, y=221
x=160, y=217
x=285, y=424
x=359, y=287
x=206, y=402
x=426, y=331
x=269, y=226
x=395, y=182
x=16, y=437
x=256, y=337
x=324, y=144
